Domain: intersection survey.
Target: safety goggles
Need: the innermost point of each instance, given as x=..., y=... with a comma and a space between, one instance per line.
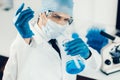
x=57, y=17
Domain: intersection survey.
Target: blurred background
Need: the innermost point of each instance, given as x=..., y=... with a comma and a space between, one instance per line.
x=101, y=13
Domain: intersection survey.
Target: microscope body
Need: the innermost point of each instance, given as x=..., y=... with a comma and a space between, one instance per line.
x=111, y=57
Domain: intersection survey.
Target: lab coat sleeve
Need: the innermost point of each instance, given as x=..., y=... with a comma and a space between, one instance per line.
x=10, y=72
x=95, y=60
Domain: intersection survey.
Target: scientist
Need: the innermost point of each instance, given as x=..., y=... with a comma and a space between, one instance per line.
x=32, y=54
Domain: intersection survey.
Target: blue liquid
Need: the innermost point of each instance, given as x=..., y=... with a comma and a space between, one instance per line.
x=72, y=69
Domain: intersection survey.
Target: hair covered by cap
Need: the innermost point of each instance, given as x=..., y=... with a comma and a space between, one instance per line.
x=65, y=6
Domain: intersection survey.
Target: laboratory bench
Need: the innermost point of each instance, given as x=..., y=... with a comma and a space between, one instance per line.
x=99, y=75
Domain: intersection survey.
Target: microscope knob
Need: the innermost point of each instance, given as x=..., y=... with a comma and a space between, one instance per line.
x=116, y=60
x=107, y=61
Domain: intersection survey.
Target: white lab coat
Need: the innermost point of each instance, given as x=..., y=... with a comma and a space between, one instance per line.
x=39, y=61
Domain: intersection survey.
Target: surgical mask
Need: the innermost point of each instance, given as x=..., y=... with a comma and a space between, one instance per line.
x=53, y=30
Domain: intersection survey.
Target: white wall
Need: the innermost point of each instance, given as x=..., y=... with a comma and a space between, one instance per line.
x=7, y=31
x=83, y=13
x=95, y=12
x=86, y=13
x=105, y=13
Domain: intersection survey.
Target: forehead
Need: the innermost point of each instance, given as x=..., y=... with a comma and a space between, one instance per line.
x=61, y=14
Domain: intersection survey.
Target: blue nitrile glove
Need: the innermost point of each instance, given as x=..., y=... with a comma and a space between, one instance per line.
x=21, y=21
x=95, y=39
x=77, y=46
x=72, y=68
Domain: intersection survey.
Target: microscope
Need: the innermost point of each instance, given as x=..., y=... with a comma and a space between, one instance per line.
x=110, y=55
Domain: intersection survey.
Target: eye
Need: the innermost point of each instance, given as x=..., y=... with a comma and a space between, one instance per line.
x=57, y=17
x=66, y=20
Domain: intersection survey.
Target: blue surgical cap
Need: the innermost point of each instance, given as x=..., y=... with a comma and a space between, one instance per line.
x=65, y=6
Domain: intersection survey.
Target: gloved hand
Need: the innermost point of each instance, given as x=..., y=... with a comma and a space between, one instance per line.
x=21, y=21
x=95, y=39
x=77, y=46
x=72, y=68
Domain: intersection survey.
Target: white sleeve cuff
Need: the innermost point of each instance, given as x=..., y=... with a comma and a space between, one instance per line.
x=94, y=61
